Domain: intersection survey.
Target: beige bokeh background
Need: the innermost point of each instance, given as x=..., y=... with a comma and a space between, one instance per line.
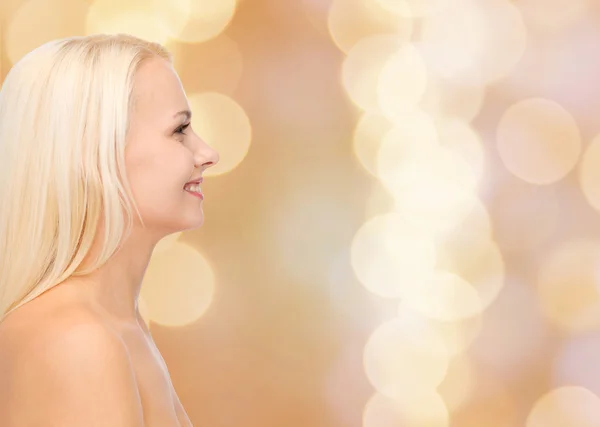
x=403, y=230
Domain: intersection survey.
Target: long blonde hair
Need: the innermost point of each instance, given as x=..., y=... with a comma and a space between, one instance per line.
x=64, y=115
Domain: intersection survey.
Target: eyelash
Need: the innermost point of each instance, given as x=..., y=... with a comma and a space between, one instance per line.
x=180, y=129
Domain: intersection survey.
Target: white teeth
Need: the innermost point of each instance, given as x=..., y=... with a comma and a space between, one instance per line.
x=193, y=187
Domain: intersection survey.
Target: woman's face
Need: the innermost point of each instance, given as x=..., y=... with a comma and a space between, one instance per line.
x=163, y=153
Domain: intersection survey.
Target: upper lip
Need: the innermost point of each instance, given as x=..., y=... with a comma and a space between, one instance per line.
x=196, y=181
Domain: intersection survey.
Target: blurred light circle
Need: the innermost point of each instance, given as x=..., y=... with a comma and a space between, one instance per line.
x=369, y=131
x=373, y=130
x=453, y=98
x=445, y=296
x=136, y=17
x=568, y=285
x=567, y=406
x=389, y=253
x=457, y=335
x=379, y=201
x=538, y=141
x=223, y=124
x=426, y=409
x=589, y=173
x=178, y=286
x=350, y=21
x=402, y=162
x=166, y=242
x=402, y=82
x=171, y=15
x=459, y=383
x=460, y=137
x=555, y=14
x=440, y=204
x=473, y=225
x=415, y=8
x=403, y=359
x=362, y=68
x=474, y=259
x=474, y=39
x=317, y=12
x=144, y=311
x=207, y=19
x=37, y=22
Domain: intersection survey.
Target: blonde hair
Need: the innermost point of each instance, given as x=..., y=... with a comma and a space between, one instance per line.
x=64, y=115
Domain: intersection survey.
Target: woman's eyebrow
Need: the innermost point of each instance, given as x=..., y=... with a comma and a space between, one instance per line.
x=186, y=113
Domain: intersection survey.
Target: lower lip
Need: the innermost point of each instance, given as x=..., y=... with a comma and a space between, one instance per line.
x=199, y=195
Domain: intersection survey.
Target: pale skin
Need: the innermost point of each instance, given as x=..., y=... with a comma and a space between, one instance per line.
x=81, y=354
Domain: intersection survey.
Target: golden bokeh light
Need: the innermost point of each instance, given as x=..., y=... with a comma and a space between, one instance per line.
x=362, y=68
x=144, y=311
x=473, y=259
x=589, y=173
x=538, y=141
x=389, y=252
x=474, y=40
x=51, y=19
x=368, y=133
x=178, y=286
x=453, y=98
x=350, y=21
x=459, y=383
x=402, y=83
x=166, y=242
x=379, y=201
x=415, y=129
x=8, y=8
x=317, y=13
x=567, y=406
x=460, y=137
x=439, y=204
x=402, y=163
x=457, y=335
x=554, y=14
x=223, y=124
x=419, y=245
x=415, y=8
x=568, y=285
x=207, y=19
x=427, y=409
x=404, y=359
x=136, y=17
x=473, y=227
x=172, y=15
x=432, y=183
x=445, y=296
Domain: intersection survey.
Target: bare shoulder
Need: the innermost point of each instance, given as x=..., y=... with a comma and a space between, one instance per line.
x=69, y=370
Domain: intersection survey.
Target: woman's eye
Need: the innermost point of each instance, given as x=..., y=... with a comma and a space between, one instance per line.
x=180, y=129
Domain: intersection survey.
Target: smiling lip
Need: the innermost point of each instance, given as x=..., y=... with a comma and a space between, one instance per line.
x=197, y=181
x=193, y=193
x=200, y=195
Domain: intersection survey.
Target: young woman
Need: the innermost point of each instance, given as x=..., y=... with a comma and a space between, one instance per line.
x=98, y=162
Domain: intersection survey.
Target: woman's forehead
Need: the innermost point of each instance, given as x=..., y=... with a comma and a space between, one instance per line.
x=158, y=89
